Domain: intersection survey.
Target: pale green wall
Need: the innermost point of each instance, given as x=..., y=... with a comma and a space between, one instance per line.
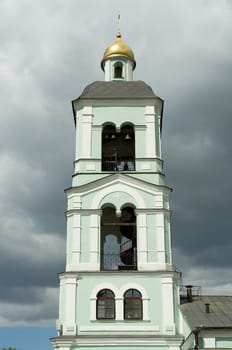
x=85, y=177
x=176, y=305
x=151, y=237
x=62, y=300
x=124, y=198
x=119, y=115
x=148, y=171
x=85, y=238
x=121, y=199
x=78, y=132
x=151, y=178
x=96, y=149
x=69, y=239
x=167, y=238
x=137, y=347
x=150, y=282
x=224, y=342
x=158, y=136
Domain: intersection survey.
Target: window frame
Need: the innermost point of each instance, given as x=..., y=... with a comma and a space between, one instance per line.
x=107, y=306
x=118, y=67
x=114, y=142
x=133, y=308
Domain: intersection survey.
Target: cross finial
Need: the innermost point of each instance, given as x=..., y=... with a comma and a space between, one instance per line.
x=118, y=32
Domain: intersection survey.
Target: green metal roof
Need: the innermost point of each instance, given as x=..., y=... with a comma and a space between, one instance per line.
x=118, y=90
x=219, y=316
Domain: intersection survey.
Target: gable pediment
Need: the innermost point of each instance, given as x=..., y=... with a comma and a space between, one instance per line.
x=119, y=189
x=118, y=178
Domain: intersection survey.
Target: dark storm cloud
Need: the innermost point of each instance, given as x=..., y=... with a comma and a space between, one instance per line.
x=26, y=272
x=21, y=295
x=199, y=163
x=49, y=52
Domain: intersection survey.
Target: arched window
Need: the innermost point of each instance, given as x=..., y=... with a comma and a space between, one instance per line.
x=118, y=239
x=118, y=70
x=118, y=148
x=105, y=305
x=133, y=308
x=109, y=152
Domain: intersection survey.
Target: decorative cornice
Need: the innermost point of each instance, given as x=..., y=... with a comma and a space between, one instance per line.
x=120, y=340
x=117, y=178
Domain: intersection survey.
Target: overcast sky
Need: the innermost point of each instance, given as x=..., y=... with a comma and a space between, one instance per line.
x=49, y=51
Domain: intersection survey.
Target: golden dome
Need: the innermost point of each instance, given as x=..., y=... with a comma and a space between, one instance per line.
x=118, y=49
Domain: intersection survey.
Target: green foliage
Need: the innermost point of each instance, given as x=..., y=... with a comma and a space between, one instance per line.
x=10, y=348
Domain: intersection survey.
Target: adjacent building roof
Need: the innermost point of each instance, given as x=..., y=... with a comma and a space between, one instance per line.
x=117, y=90
x=219, y=316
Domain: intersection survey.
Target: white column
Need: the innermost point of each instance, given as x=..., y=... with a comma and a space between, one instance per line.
x=87, y=132
x=107, y=69
x=145, y=309
x=129, y=71
x=97, y=141
x=209, y=342
x=77, y=149
x=69, y=242
x=150, y=132
x=70, y=306
x=93, y=308
x=77, y=202
x=160, y=231
x=76, y=242
x=159, y=201
x=168, y=233
x=119, y=309
x=167, y=305
x=159, y=136
x=61, y=301
x=94, y=239
x=142, y=249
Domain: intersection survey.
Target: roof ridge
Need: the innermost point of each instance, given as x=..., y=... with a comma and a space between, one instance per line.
x=119, y=89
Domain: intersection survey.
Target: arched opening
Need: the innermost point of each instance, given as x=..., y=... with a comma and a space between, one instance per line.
x=118, y=148
x=109, y=155
x=133, y=306
x=118, y=239
x=118, y=70
x=105, y=305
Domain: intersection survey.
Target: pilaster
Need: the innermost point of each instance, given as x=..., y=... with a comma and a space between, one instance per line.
x=87, y=117
x=167, y=305
x=70, y=327
x=142, y=240
x=160, y=229
x=94, y=238
x=150, y=132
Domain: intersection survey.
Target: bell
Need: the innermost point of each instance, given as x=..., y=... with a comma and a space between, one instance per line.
x=127, y=137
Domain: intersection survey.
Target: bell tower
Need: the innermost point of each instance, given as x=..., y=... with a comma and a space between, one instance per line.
x=119, y=289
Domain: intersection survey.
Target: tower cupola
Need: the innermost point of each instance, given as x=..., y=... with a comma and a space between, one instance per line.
x=118, y=49
x=118, y=61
